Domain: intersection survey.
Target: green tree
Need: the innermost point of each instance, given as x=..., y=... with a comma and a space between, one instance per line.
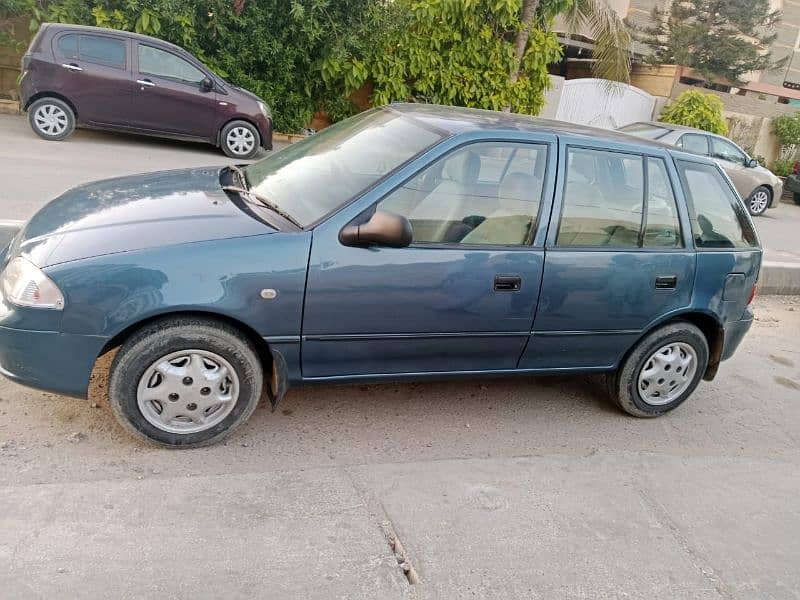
x=720, y=39
x=787, y=129
x=696, y=109
x=11, y=12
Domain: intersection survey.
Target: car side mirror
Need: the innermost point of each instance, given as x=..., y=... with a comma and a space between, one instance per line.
x=206, y=85
x=382, y=229
x=751, y=163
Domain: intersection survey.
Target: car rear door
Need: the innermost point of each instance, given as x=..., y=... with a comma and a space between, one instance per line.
x=462, y=296
x=95, y=75
x=168, y=94
x=618, y=256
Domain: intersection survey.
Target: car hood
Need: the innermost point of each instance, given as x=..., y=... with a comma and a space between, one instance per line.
x=134, y=213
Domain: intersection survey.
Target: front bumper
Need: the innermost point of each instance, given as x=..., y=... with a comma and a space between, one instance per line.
x=265, y=130
x=49, y=360
x=792, y=183
x=777, y=192
x=734, y=334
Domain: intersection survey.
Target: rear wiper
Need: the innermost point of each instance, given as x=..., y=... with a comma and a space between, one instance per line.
x=239, y=173
x=264, y=202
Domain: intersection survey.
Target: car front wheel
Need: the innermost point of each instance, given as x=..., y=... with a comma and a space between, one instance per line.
x=240, y=139
x=185, y=382
x=759, y=201
x=661, y=371
x=51, y=119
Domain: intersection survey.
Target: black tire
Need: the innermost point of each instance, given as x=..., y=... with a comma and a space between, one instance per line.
x=623, y=385
x=54, y=132
x=160, y=339
x=760, y=208
x=233, y=150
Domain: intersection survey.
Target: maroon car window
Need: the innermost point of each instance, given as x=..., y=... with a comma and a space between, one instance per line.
x=102, y=50
x=68, y=46
x=718, y=217
x=153, y=61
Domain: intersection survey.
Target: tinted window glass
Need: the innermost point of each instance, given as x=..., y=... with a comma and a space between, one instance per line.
x=103, y=50
x=314, y=177
x=694, y=143
x=726, y=151
x=485, y=193
x=68, y=46
x=662, y=228
x=603, y=200
x=153, y=61
x=718, y=217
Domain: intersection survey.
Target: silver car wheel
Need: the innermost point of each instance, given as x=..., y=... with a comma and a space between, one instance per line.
x=51, y=119
x=188, y=391
x=240, y=140
x=759, y=202
x=668, y=373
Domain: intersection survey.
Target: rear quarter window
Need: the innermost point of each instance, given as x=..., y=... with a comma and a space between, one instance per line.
x=718, y=218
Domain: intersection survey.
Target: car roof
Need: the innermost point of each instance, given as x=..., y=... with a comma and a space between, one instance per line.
x=455, y=120
x=59, y=27
x=672, y=127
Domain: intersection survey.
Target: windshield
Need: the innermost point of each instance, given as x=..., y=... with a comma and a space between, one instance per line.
x=312, y=178
x=645, y=130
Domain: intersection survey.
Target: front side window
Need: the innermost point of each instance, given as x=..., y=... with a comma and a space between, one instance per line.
x=102, y=50
x=485, y=193
x=159, y=63
x=314, y=177
x=718, y=218
x=694, y=143
x=725, y=150
x=603, y=199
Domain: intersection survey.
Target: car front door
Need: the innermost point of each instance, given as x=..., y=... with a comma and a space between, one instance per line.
x=733, y=162
x=462, y=296
x=169, y=96
x=618, y=257
x=95, y=76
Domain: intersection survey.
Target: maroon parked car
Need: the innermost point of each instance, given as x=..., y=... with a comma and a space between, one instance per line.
x=108, y=79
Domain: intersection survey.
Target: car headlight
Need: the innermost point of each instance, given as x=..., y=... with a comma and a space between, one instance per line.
x=25, y=284
x=264, y=110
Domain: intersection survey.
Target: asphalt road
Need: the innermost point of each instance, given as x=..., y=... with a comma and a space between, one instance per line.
x=520, y=488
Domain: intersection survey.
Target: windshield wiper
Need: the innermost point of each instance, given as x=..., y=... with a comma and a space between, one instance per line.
x=264, y=202
x=240, y=174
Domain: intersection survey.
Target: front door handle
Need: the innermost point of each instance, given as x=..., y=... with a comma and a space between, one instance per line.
x=666, y=282
x=71, y=67
x=507, y=283
x=145, y=82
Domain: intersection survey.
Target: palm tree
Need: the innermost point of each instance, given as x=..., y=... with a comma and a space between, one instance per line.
x=611, y=38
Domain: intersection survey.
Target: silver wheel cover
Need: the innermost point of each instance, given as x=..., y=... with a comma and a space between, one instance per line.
x=51, y=119
x=188, y=391
x=240, y=141
x=759, y=201
x=667, y=374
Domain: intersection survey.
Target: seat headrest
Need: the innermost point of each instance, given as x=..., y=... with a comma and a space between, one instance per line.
x=463, y=168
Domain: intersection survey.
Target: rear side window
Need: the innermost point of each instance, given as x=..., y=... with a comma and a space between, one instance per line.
x=603, y=199
x=694, y=143
x=102, y=50
x=718, y=217
x=68, y=45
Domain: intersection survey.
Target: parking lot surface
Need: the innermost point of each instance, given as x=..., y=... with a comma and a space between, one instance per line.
x=515, y=488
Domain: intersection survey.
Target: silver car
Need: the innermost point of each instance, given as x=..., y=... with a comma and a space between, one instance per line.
x=759, y=187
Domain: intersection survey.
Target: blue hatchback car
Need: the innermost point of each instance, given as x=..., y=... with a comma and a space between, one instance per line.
x=408, y=242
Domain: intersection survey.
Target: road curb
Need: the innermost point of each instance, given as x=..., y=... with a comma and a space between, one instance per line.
x=779, y=278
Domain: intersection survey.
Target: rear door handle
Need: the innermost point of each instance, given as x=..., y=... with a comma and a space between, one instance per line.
x=666, y=282
x=145, y=82
x=71, y=67
x=507, y=283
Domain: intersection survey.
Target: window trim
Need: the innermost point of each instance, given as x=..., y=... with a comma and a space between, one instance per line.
x=190, y=84
x=549, y=147
x=690, y=210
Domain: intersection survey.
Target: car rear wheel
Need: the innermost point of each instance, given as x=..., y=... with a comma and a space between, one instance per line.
x=759, y=201
x=185, y=382
x=51, y=119
x=240, y=139
x=661, y=372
